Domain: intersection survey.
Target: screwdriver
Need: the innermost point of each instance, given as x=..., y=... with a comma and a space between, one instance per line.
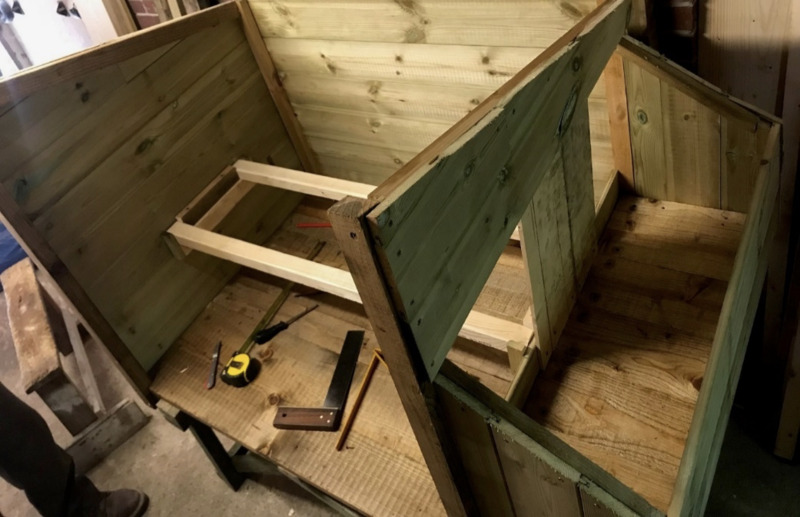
x=264, y=335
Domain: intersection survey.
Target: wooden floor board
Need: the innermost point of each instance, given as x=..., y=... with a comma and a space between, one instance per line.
x=622, y=384
x=381, y=470
x=297, y=366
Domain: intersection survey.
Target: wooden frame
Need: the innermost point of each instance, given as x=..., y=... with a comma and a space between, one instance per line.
x=200, y=236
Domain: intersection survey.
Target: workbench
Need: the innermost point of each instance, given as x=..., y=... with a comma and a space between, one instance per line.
x=381, y=470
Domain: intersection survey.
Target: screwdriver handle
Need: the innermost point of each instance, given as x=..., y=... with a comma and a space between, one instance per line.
x=264, y=335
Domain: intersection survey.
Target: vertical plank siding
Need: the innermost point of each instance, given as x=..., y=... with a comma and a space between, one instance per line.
x=685, y=149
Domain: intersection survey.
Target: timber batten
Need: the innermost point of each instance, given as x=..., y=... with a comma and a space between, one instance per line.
x=561, y=350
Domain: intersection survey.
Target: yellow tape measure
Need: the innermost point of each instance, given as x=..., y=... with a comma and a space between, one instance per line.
x=240, y=370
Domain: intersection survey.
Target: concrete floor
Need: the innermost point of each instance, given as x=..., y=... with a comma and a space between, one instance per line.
x=170, y=467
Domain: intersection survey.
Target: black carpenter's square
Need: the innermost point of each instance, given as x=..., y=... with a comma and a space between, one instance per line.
x=329, y=416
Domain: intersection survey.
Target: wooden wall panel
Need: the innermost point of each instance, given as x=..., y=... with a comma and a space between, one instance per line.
x=103, y=162
x=684, y=149
x=475, y=444
x=374, y=65
x=416, y=225
x=530, y=468
x=464, y=22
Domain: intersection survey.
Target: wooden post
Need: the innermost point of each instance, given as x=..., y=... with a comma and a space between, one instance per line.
x=407, y=371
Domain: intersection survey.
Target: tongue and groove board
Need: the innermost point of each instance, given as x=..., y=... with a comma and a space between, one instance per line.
x=360, y=73
x=101, y=150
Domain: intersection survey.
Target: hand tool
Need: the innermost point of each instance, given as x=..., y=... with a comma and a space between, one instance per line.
x=264, y=335
x=212, y=375
x=329, y=416
x=241, y=369
x=377, y=358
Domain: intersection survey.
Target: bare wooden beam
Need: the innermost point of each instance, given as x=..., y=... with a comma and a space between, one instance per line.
x=296, y=269
x=304, y=151
x=407, y=371
x=304, y=182
x=617, y=99
x=480, y=328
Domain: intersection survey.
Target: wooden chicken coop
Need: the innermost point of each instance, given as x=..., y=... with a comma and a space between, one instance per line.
x=557, y=238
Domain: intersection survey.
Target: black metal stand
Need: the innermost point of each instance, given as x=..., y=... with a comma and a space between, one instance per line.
x=209, y=443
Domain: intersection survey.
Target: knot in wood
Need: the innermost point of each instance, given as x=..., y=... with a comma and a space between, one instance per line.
x=469, y=168
x=503, y=175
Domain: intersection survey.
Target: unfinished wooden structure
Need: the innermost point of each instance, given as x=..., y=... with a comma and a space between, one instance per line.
x=583, y=365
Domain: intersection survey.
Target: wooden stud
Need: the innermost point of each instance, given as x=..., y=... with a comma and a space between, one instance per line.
x=617, y=97
x=608, y=200
x=297, y=181
x=295, y=269
x=481, y=328
x=279, y=97
x=404, y=363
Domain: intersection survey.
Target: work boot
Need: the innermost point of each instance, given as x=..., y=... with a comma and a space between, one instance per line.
x=123, y=503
